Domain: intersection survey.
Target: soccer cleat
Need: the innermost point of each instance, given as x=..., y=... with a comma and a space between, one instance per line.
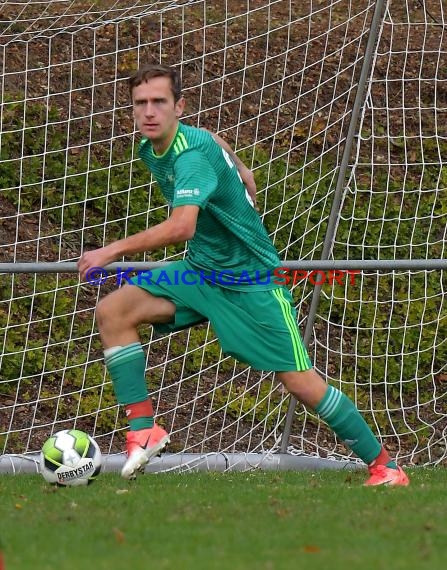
x=383, y=475
x=141, y=446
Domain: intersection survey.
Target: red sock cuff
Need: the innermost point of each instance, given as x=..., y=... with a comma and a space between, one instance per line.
x=383, y=458
x=140, y=410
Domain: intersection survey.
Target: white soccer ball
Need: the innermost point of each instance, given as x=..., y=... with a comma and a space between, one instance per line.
x=70, y=457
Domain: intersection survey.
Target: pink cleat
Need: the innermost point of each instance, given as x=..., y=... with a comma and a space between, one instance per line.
x=383, y=475
x=141, y=446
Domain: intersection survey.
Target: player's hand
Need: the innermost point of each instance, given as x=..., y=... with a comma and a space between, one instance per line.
x=96, y=259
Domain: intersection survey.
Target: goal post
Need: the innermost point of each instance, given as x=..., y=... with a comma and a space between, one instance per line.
x=321, y=121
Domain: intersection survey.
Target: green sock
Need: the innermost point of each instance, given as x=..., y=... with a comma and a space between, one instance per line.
x=127, y=367
x=345, y=420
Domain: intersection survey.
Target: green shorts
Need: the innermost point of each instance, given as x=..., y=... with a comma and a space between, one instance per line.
x=257, y=327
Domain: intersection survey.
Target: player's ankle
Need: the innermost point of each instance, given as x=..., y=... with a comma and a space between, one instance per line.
x=384, y=459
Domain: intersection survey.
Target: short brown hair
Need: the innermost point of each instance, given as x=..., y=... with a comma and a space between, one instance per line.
x=157, y=70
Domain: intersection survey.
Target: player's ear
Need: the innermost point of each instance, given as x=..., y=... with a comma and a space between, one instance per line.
x=180, y=107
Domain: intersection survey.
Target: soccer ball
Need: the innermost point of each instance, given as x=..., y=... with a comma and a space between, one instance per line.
x=70, y=458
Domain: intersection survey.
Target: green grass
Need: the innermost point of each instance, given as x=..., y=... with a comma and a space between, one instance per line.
x=237, y=521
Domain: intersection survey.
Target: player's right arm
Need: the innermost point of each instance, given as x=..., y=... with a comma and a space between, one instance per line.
x=179, y=227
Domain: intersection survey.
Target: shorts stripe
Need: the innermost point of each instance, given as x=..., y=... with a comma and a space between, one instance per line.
x=298, y=349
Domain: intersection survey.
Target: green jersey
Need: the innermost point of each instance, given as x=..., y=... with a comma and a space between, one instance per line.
x=230, y=244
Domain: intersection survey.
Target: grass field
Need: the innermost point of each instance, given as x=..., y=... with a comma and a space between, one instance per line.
x=237, y=521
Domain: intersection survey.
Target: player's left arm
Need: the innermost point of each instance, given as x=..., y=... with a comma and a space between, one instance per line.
x=245, y=173
x=179, y=227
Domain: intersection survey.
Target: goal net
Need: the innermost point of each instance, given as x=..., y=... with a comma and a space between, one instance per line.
x=277, y=79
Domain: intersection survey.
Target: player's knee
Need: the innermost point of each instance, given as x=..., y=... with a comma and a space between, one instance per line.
x=111, y=313
x=104, y=312
x=292, y=382
x=307, y=386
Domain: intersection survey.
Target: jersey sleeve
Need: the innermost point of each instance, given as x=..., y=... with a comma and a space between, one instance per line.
x=195, y=179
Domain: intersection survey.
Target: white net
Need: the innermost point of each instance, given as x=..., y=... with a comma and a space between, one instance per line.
x=389, y=331
x=278, y=82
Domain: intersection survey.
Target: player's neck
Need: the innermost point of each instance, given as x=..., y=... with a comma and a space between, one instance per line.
x=162, y=145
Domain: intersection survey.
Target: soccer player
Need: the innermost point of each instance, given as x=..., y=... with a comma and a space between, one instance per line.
x=224, y=280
